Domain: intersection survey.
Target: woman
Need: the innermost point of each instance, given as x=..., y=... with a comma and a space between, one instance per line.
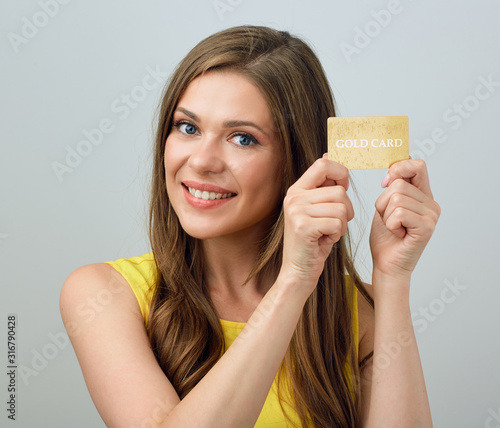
x=247, y=311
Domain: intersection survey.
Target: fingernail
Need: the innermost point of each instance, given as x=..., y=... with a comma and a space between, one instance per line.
x=325, y=155
x=386, y=179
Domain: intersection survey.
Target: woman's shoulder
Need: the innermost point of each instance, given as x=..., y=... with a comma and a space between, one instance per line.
x=134, y=277
x=104, y=322
x=94, y=285
x=92, y=290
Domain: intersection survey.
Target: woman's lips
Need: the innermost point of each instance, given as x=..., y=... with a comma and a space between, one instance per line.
x=206, y=198
x=206, y=187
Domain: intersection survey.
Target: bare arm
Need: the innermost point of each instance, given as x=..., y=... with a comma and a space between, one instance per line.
x=398, y=394
x=124, y=379
x=106, y=328
x=127, y=385
x=392, y=382
x=405, y=218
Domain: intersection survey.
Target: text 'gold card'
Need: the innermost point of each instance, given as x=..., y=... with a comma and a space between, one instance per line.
x=368, y=142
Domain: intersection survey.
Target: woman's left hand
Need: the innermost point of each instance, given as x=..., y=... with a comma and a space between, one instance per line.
x=405, y=217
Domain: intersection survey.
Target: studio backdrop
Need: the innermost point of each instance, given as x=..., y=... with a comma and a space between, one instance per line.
x=79, y=88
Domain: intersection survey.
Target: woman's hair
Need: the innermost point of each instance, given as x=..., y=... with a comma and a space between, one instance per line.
x=183, y=325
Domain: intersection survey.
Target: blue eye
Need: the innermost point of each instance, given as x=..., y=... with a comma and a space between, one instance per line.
x=185, y=127
x=189, y=129
x=246, y=139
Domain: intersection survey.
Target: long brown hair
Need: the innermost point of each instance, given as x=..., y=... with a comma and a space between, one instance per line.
x=183, y=326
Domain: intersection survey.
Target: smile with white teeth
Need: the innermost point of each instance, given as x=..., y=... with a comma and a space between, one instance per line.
x=208, y=195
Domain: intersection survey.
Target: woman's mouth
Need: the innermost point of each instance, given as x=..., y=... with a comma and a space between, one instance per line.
x=204, y=194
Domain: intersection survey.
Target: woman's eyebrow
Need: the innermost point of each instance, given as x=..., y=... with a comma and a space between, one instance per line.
x=188, y=113
x=236, y=123
x=226, y=124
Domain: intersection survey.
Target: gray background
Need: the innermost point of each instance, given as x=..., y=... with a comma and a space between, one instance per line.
x=71, y=73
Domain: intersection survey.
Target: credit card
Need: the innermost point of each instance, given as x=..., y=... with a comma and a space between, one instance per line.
x=368, y=142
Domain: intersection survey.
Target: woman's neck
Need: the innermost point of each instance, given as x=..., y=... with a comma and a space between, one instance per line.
x=228, y=262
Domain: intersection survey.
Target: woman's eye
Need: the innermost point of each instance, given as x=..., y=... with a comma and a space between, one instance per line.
x=187, y=128
x=184, y=127
x=245, y=139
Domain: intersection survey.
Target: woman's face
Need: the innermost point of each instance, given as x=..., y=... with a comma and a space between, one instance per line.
x=223, y=158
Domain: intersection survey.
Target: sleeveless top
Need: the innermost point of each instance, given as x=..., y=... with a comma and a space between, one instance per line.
x=140, y=273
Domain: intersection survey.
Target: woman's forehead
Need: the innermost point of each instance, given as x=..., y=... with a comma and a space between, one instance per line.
x=228, y=93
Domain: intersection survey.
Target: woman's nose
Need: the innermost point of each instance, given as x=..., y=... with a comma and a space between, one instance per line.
x=206, y=156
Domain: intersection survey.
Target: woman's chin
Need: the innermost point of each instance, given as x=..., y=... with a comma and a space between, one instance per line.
x=200, y=232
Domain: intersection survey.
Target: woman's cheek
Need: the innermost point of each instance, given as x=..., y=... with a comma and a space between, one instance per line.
x=175, y=153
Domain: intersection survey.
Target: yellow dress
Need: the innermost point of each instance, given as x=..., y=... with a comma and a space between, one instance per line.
x=140, y=273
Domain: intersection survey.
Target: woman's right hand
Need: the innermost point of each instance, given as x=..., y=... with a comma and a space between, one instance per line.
x=316, y=210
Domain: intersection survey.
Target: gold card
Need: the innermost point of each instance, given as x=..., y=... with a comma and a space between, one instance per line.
x=368, y=142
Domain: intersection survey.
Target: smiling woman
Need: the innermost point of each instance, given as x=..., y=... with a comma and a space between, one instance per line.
x=249, y=311
x=222, y=143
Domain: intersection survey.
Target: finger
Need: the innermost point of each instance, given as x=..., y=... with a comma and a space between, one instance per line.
x=395, y=224
x=412, y=170
x=401, y=187
x=321, y=171
x=331, y=194
x=315, y=228
x=335, y=210
x=318, y=195
x=310, y=198
x=403, y=221
x=397, y=220
x=402, y=201
x=331, y=227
